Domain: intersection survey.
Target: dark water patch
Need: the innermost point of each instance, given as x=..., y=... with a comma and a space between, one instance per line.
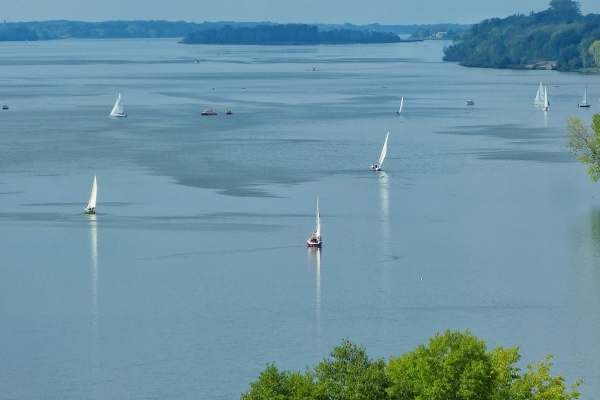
x=51, y=204
x=218, y=252
x=354, y=60
x=504, y=131
x=527, y=155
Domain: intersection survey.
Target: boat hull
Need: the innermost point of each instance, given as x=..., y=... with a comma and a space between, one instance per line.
x=89, y=211
x=313, y=244
x=583, y=105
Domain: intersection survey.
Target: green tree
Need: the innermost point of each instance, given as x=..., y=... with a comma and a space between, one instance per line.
x=586, y=145
x=350, y=375
x=276, y=385
x=538, y=384
x=568, y=7
x=453, y=366
x=595, y=52
x=456, y=366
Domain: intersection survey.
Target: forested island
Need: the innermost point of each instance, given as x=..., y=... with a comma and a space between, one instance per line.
x=560, y=38
x=287, y=34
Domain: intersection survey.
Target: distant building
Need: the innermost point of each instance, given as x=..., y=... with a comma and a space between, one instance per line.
x=441, y=34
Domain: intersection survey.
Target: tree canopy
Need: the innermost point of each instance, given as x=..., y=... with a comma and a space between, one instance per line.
x=286, y=34
x=560, y=34
x=586, y=144
x=452, y=366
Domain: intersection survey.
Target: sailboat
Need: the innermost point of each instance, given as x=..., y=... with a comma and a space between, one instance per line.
x=585, y=102
x=539, y=97
x=377, y=167
x=117, y=110
x=315, y=239
x=401, y=104
x=546, y=102
x=91, y=207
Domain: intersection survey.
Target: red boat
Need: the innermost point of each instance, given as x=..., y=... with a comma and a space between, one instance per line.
x=208, y=112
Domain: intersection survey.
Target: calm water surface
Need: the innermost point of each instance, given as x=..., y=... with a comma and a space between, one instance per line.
x=194, y=273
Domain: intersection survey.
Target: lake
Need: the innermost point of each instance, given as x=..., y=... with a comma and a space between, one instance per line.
x=194, y=273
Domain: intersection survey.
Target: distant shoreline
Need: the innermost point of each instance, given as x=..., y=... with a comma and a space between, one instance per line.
x=63, y=29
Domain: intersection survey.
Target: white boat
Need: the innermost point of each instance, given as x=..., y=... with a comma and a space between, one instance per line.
x=470, y=102
x=539, y=97
x=377, y=167
x=117, y=110
x=585, y=102
x=546, y=102
x=401, y=104
x=315, y=239
x=91, y=207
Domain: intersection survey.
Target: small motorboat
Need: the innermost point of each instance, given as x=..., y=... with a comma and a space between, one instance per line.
x=4, y=106
x=470, y=102
x=228, y=112
x=208, y=112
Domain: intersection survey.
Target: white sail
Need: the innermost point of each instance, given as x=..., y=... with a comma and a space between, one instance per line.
x=546, y=103
x=384, y=150
x=93, y=195
x=585, y=100
x=118, y=108
x=539, y=97
x=401, y=104
x=318, y=225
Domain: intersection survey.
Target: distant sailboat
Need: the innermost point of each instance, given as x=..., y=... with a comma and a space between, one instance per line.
x=546, y=102
x=401, y=104
x=377, y=167
x=117, y=110
x=91, y=207
x=585, y=102
x=539, y=97
x=315, y=238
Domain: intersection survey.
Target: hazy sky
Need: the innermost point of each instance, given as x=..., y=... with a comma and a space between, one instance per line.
x=283, y=11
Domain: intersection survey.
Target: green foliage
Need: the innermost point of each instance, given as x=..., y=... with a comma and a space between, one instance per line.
x=538, y=384
x=350, y=375
x=559, y=34
x=595, y=52
x=586, y=145
x=286, y=34
x=16, y=33
x=283, y=385
x=453, y=366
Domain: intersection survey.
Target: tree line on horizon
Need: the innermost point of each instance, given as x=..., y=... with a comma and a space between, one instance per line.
x=287, y=34
x=560, y=34
x=138, y=29
x=452, y=366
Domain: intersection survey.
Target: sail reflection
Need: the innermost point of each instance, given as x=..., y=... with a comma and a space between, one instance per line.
x=385, y=209
x=94, y=254
x=314, y=254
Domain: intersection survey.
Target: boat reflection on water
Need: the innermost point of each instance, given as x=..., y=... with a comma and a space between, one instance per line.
x=314, y=258
x=385, y=209
x=94, y=264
